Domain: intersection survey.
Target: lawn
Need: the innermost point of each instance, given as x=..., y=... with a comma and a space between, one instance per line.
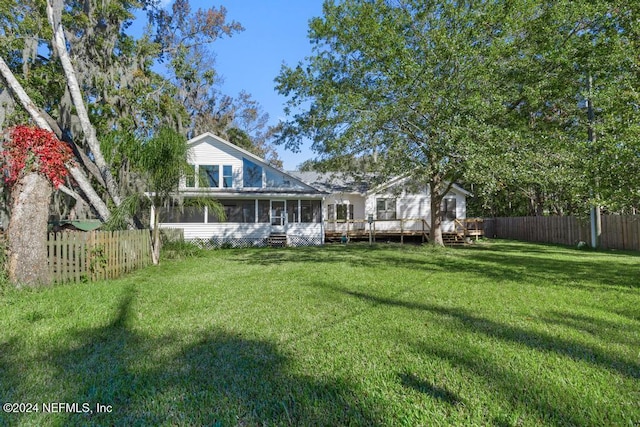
x=500, y=333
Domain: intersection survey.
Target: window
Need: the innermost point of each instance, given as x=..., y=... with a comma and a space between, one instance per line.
x=344, y=212
x=182, y=214
x=251, y=174
x=339, y=212
x=248, y=211
x=232, y=211
x=310, y=210
x=190, y=178
x=210, y=176
x=276, y=180
x=264, y=207
x=448, y=209
x=386, y=209
x=292, y=211
x=227, y=176
x=241, y=211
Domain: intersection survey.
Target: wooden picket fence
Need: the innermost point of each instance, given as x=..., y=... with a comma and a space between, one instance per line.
x=618, y=231
x=96, y=255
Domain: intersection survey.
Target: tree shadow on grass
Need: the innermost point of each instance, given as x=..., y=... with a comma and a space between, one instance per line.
x=502, y=262
x=411, y=380
x=535, y=340
x=9, y=375
x=518, y=389
x=356, y=255
x=221, y=378
x=615, y=332
x=544, y=248
x=631, y=313
x=508, y=263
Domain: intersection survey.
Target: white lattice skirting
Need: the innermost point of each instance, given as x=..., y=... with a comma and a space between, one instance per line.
x=247, y=242
x=303, y=241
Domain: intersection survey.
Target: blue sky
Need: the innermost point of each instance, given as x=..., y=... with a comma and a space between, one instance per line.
x=275, y=33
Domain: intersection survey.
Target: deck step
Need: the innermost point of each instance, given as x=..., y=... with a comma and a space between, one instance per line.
x=277, y=240
x=450, y=239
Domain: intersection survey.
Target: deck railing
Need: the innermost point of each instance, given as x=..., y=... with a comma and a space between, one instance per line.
x=361, y=228
x=469, y=227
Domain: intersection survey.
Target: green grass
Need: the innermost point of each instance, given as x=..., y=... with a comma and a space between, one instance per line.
x=501, y=333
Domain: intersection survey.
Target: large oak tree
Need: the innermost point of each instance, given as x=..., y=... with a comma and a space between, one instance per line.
x=401, y=82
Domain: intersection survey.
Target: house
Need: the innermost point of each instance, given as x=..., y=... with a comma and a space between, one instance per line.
x=263, y=205
x=396, y=208
x=266, y=206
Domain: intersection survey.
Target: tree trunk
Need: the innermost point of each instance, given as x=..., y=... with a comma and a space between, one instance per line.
x=436, y=214
x=27, y=231
x=155, y=250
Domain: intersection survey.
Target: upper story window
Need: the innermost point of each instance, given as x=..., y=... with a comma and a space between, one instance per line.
x=190, y=179
x=251, y=174
x=210, y=175
x=227, y=176
x=276, y=180
x=222, y=176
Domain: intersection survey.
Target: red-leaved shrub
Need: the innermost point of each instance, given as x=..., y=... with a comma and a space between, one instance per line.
x=31, y=149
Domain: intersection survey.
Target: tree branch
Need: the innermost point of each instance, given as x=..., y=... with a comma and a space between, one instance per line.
x=60, y=45
x=79, y=153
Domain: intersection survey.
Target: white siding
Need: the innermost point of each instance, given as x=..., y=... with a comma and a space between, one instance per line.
x=414, y=206
x=358, y=203
x=411, y=206
x=305, y=229
x=370, y=206
x=223, y=230
x=356, y=200
x=230, y=230
x=461, y=205
x=208, y=150
x=417, y=205
x=213, y=152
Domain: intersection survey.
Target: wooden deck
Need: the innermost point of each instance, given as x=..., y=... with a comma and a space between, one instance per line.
x=399, y=229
